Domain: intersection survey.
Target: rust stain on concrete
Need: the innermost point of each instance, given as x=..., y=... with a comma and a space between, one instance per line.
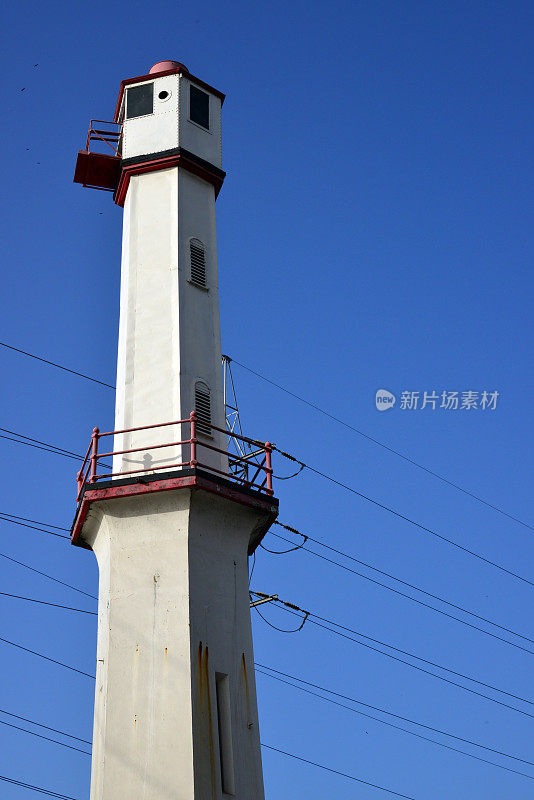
x=245, y=677
x=200, y=669
x=210, y=726
x=244, y=668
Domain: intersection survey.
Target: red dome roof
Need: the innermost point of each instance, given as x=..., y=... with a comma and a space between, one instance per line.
x=163, y=66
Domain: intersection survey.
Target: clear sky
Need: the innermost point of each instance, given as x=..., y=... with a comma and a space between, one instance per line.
x=375, y=232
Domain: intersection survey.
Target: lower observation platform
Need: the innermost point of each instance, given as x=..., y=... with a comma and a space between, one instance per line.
x=247, y=480
x=191, y=478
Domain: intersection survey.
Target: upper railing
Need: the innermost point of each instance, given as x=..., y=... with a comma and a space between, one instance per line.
x=254, y=468
x=104, y=133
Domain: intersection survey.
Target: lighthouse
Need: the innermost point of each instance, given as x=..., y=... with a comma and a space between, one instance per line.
x=171, y=514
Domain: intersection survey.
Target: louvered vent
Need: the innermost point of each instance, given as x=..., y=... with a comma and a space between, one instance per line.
x=198, y=263
x=203, y=408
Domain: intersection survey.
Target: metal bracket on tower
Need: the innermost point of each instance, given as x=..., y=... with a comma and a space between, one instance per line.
x=242, y=450
x=264, y=598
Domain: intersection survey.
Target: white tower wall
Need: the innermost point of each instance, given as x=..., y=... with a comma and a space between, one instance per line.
x=171, y=653
x=169, y=333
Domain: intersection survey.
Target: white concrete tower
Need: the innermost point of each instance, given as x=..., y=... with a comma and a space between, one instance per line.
x=169, y=337
x=175, y=703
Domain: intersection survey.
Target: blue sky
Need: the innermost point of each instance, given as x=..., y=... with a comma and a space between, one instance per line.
x=374, y=231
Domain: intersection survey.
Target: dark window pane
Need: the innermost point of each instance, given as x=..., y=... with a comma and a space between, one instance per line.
x=199, y=107
x=140, y=100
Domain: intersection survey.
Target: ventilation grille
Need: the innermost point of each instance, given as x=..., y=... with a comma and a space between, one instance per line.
x=198, y=263
x=203, y=408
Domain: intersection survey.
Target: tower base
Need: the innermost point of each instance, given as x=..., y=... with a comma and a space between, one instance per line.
x=175, y=701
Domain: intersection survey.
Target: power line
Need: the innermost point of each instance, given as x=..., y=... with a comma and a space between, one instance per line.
x=263, y=667
x=68, y=454
x=336, y=772
x=357, y=633
x=46, y=738
x=275, y=627
x=53, y=447
x=46, y=575
x=51, y=793
x=54, y=364
x=406, y=519
x=404, y=730
x=313, y=618
x=385, y=446
x=407, y=596
x=311, y=405
x=46, y=603
x=46, y=727
x=294, y=530
x=363, y=636
x=46, y=658
x=356, y=641
x=39, y=789
x=32, y=527
x=38, y=447
x=37, y=521
x=414, y=666
x=308, y=683
x=45, y=446
x=342, y=566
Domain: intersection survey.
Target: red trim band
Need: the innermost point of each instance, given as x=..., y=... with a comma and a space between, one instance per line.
x=177, y=160
x=261, y=503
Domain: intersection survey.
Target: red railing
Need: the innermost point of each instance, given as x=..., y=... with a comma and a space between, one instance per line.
x=110, y=135
x=258, y=462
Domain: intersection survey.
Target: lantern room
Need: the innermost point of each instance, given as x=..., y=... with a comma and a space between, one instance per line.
x=159, y=117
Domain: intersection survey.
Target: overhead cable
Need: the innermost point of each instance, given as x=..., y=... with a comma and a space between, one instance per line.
x=46, y=727
x=46, y=658
x=269, y=747
x=400, y=728
x=315, y=620
x=311, y=405
x=47, y=603
x=267, y=670
x=32, y=527
x=407, y=519
x=33, y=788
x=407, y=596
x=37, y=522
x=67, y=454
x=337, y=772
x=385, y=446
x=54, y=364
x=46, y=575
x=46, y=738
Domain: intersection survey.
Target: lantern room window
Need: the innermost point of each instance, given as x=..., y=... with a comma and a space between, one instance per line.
x=140, y=100
x=199, y=107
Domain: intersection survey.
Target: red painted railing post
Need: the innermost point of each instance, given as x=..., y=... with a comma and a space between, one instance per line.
x=94, y=454
x=193, y=418
x=268, y=467
x=79, y=483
